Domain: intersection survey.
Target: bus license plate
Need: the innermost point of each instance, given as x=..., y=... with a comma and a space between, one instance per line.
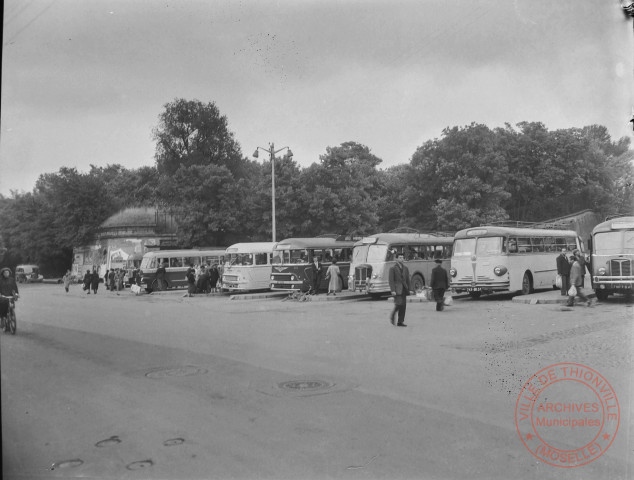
x=474, y=289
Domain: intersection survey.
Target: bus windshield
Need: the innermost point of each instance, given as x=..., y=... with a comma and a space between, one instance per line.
x=290, y=256
x=489, y=246
x=377, y=253
x=610, y=243
x=464, y=247
x=483, y=246
x=241, y=259
x=359, y=254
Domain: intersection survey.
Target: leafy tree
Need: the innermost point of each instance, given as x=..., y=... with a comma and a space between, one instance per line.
x=342, y=193
x=192, y=133
x=463, y=177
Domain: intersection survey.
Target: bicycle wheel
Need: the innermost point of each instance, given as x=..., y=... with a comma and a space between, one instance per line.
x=11, y=322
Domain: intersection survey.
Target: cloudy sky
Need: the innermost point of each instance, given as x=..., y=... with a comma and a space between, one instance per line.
x=83, y=82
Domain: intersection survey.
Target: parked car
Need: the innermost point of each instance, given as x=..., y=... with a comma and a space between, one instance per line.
x=28, y=274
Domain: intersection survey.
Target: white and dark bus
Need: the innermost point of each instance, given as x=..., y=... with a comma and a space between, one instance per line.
x=492, y=259
x=612, y=257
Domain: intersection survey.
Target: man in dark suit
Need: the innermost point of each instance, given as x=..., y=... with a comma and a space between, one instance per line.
x=399, y=286
x=315, y=276
x=439, y=283
x=563, y=269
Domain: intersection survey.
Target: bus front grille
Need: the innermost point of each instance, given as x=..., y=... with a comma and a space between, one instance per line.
x=362, y=276
x=621, y=268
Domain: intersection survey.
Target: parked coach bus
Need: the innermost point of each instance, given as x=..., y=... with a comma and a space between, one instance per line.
x=292, y=260
x=373, y=256
x=491, y=259
x=176, y=263
x=612, y=257
x=248, y=266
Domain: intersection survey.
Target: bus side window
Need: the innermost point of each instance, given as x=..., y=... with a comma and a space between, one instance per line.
x=261, y=258
x=176, y=262
x=538, y=244
x=549, y=245
x=390, y=255
x=571, y=243
x=512, y=245
x=152, y=263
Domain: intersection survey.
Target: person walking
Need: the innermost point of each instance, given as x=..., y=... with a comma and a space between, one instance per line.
x=576, y=281
x=439, y=283
x=214, y=277
x=563, y=270
x=160, y=277
x=87, y=281
x=105, y=280
x=333, y=275
x=582, y=261
x=67, y=279
x=94, y=281
x=118, y=277
x=191, y=281
x=315, y=275
x=399, y=286
x=111, y=280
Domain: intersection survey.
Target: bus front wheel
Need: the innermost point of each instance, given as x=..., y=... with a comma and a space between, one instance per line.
x=417, y=283
x=527, y=284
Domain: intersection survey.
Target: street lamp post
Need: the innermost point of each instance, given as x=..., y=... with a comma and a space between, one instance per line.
x=271, y=150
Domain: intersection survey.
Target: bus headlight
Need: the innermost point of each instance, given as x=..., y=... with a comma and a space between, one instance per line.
x=453, y=272
x=499, y=270
x=602, y=271
x=293, y=277
x=272, y=277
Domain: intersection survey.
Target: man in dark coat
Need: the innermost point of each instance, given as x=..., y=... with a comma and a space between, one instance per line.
x=439, y=283
x=94, y=281
x=315, y=276
x=87, y=281
x=399, y=286
x=563, y=269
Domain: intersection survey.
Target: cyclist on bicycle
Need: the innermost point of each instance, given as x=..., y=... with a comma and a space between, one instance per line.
x=8, y=288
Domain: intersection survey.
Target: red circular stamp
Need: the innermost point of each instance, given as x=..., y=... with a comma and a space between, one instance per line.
x=567, y=415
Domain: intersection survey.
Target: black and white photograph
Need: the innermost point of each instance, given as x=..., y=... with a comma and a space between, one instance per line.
x=305, y=240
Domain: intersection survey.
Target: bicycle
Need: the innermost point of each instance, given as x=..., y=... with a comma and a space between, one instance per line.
x=9, y=323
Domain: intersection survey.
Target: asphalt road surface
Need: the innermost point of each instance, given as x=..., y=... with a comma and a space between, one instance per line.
x=166, y=387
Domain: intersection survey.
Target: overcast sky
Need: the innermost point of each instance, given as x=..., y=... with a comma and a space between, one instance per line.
x=83, y=82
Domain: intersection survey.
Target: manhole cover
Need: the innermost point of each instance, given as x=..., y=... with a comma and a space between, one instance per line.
x=76, y=462
x=108, y=441
x=185, y=371
x=139, y=465
x=173, y=441
x=305, y=385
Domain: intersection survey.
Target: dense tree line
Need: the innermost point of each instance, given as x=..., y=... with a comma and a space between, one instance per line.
x=469, y=176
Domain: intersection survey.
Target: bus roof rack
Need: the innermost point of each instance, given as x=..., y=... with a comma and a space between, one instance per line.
x=518, y=224
x=413, y=230
x=617, y=215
